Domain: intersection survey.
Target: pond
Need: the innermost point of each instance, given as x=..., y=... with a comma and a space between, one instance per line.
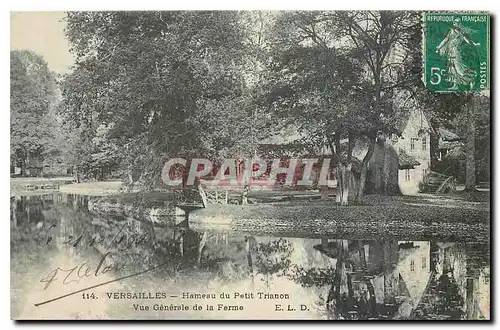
x=69, y=263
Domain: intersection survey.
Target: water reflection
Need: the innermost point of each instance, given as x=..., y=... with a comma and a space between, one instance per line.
x=334, y=278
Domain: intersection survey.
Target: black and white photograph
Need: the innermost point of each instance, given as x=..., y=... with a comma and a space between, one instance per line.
x=250, y=165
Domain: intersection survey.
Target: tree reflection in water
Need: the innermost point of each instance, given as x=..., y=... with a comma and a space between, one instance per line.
x=352, y=279
x=351, y=294
x=443, y=301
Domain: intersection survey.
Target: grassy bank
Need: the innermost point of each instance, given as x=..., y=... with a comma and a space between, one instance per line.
x=97, y=188
x=20, y=186
x=445, y=217
x=396, y=219
x=476, y=200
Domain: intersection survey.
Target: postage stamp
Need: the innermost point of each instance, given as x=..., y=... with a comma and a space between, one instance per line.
x=456, y=51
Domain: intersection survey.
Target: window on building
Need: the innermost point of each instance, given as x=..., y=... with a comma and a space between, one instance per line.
x=424, y=144
x=407, y=175
x=412, y=143
x=412, y=265
x=424, y=262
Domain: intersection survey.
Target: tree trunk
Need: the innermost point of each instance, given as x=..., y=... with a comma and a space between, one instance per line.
x=77, y=174
x=391, y=275
x=471, y=309
x=373, y=298
x=344, y=168
x=27, y=163
x=28, y=209
x=343, y=172
x=345, y=184
x=364, y=170
x=369, y=285
x=338, y=195
x=130, y=186
x=470, y=164
x=344, y=175
x=339, y=280
x=23, y=168
x=340, y=183
x=250, y=242
x=21, y=163
x=181, y=244
x=244, y=194
x=333, y=161
x=14, y=212
x=323, y=192
x=203, y=241
x=150, y=230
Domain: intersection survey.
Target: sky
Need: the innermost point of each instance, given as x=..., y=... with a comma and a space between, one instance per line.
x=43, y=33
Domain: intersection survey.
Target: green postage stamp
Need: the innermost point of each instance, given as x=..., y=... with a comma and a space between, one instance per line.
x=456, y=51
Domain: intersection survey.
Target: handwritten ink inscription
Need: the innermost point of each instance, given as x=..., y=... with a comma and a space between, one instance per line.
x=82, y=271
x=121, y=241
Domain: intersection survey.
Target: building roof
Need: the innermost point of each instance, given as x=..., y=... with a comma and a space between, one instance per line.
x=449, y=144
x=447, y=135
x=406, y=161
x=456, y=152
x=287, y=135
x=401, y=119
x=448, y=140
x=277, y=150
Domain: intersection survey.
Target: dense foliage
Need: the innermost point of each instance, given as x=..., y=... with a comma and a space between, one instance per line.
x=153, y=85
x=32, y=98
x=149, y=86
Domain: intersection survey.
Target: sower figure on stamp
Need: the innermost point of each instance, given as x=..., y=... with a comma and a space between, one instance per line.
x=453, y=48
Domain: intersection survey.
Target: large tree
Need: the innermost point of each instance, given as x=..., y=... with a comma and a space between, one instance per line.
x=32, y=96
x=165, y=84
x=338, y=74
x=386, y=42
x=316, y=87
x=468, y=115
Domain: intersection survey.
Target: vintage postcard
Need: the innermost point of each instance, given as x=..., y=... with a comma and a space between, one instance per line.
x=250, y=165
